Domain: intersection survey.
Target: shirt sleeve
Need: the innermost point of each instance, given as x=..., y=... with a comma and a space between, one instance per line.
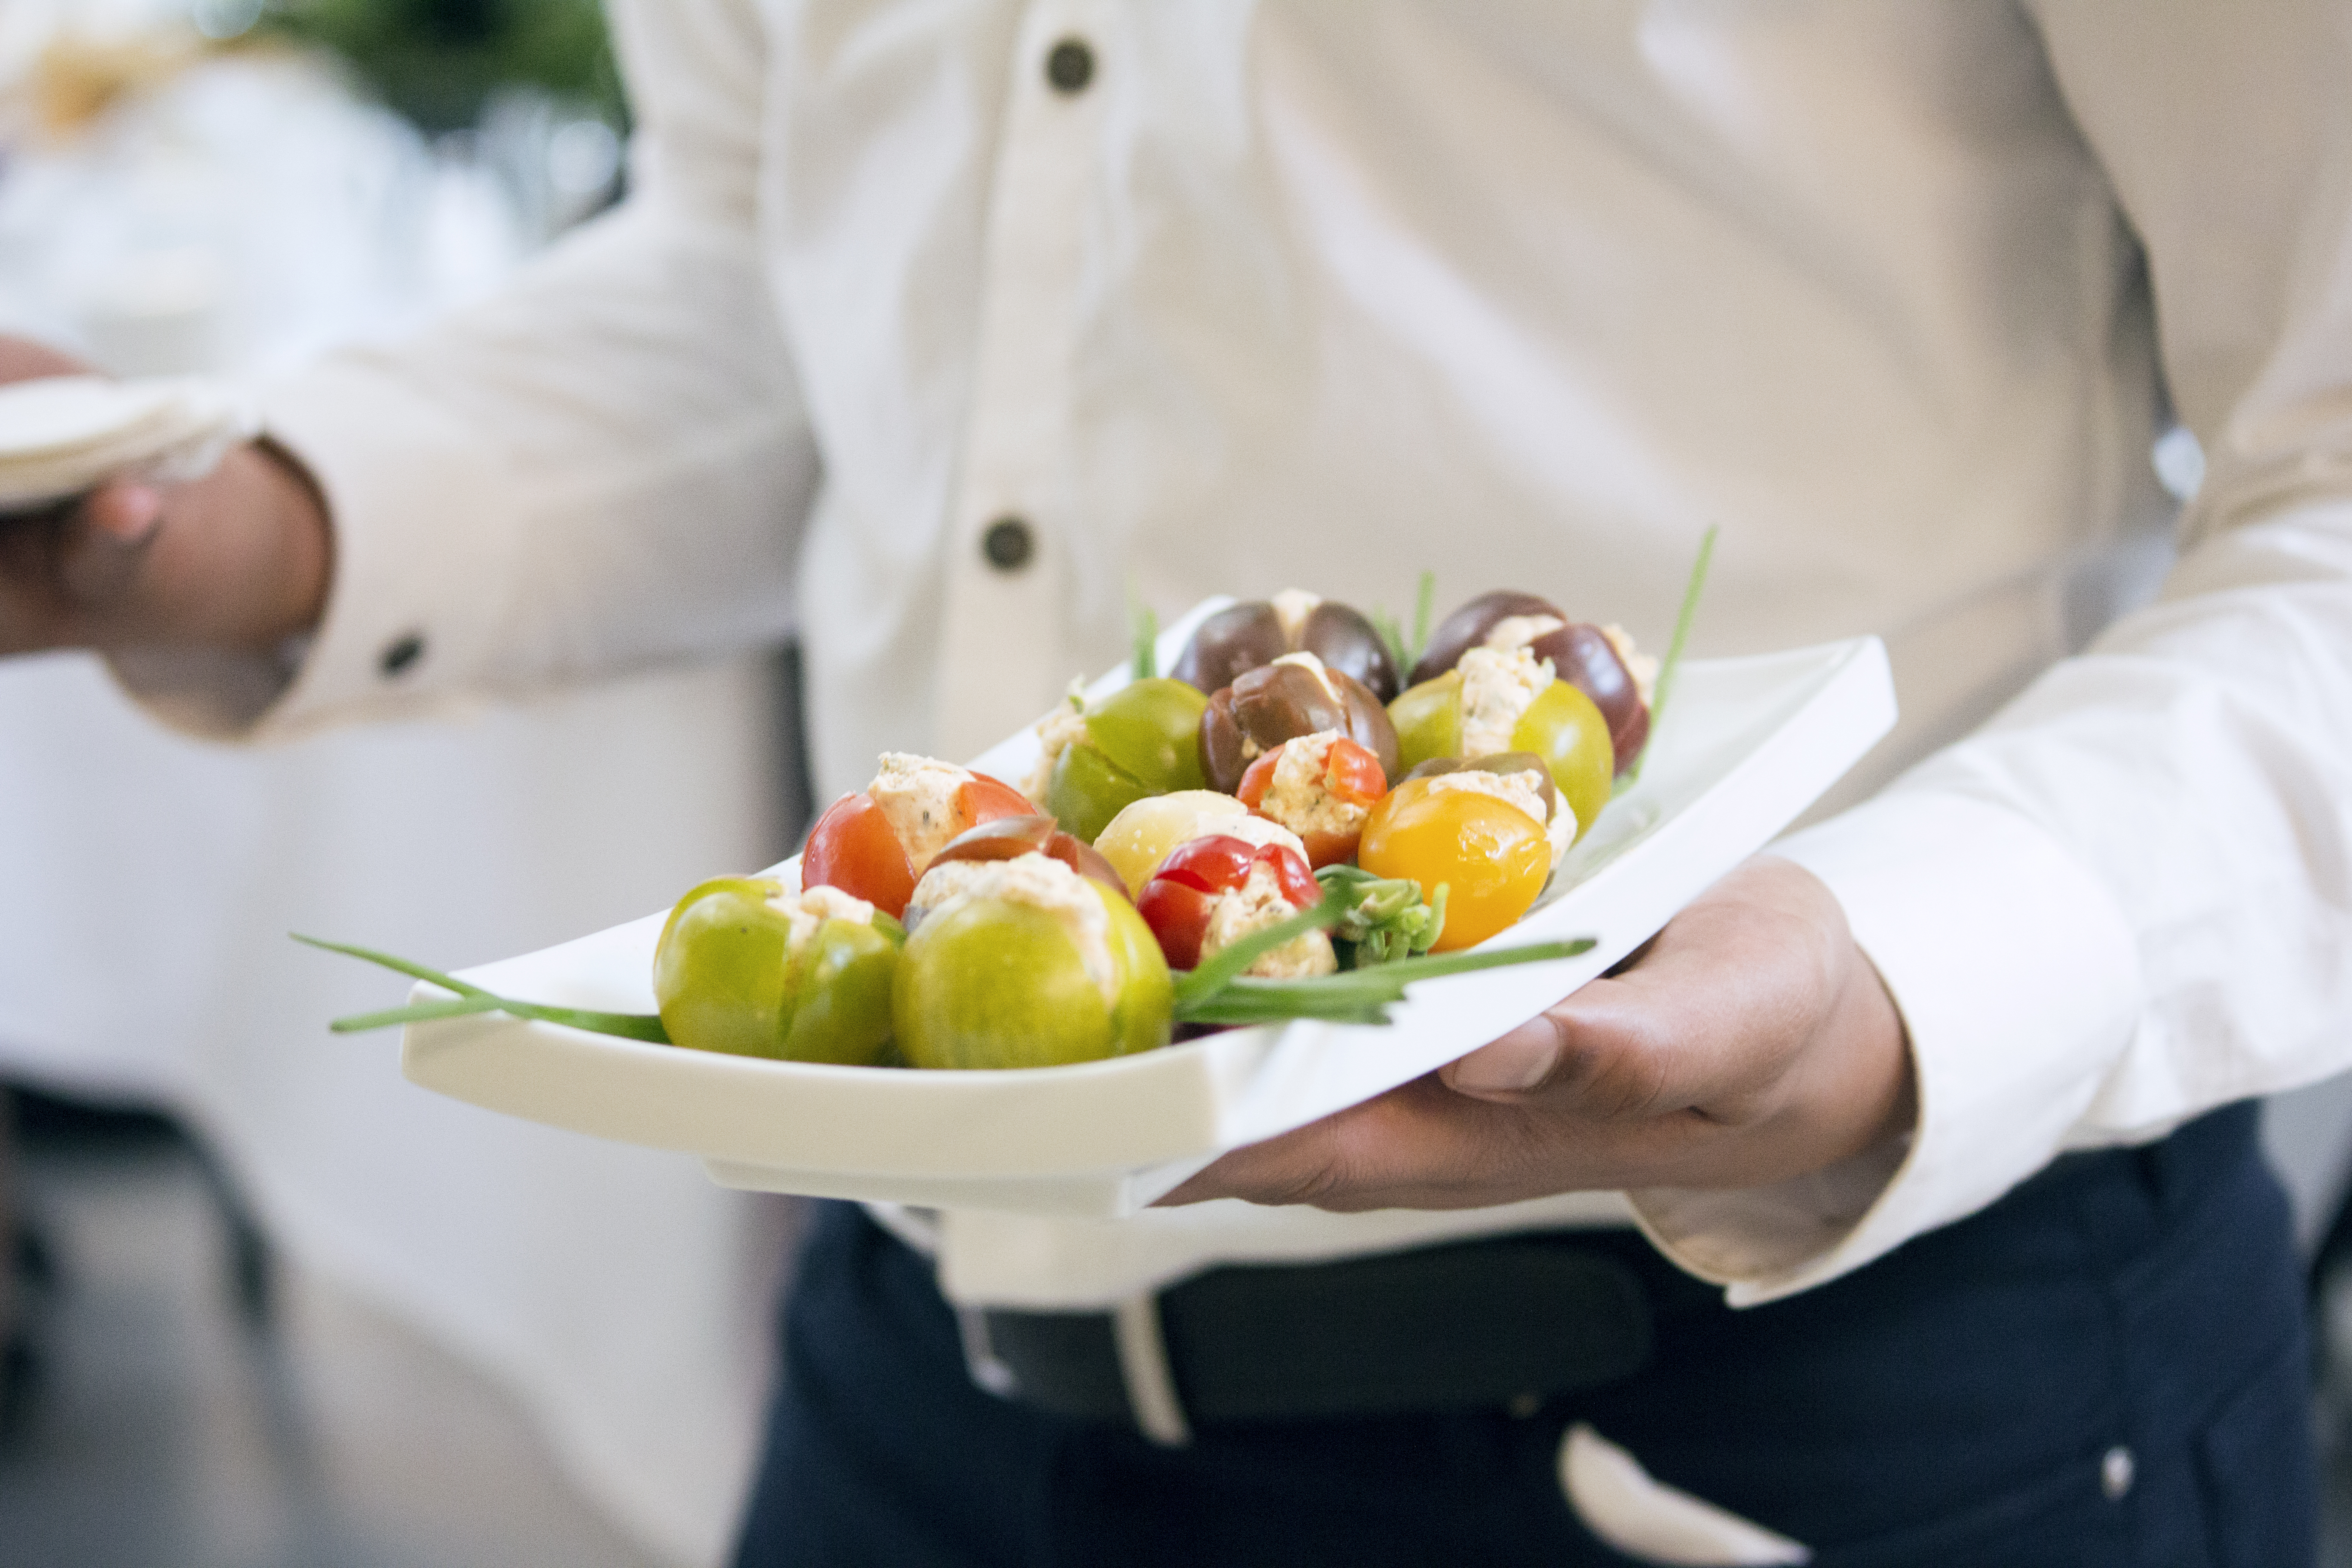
x=604, y=466
x=2127, y=899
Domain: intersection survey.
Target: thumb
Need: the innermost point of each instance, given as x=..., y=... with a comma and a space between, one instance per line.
x=105, y=543
x=1508, y=1067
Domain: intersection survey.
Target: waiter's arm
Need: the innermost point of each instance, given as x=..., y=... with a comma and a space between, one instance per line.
x=603, y=466
x=2128, y=899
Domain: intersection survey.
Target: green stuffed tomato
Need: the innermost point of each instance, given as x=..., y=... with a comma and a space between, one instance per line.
x=718, y=969
x=839, y=995
x=997, y=983
x=1142, y=740
x=728, y=977
x=1565, y=728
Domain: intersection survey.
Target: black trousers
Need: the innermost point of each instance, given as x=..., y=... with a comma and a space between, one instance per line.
x=1957, y=1402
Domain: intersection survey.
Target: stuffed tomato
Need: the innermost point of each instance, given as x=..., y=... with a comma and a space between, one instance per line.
x=745, y=967
x=1489, y=832
x=1023, y=962
x=1213, y=891
x=1142, y=740
x=1145, y=833
x=1243, y=638
x=874, y=845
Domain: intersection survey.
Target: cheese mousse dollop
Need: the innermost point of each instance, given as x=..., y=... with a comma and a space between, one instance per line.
x=1498, y=686
x=1257, y=904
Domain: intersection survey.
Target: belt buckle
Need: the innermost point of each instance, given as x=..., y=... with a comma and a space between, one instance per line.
x=1140, y=1346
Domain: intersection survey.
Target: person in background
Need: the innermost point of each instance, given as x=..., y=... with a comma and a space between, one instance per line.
x=923, y=330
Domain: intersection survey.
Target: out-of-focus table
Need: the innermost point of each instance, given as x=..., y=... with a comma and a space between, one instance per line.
x=150, y=880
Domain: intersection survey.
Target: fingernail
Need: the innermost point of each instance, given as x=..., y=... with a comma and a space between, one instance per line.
x=1512, y=1065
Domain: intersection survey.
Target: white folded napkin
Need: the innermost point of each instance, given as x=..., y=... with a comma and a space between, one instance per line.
x=62, y=434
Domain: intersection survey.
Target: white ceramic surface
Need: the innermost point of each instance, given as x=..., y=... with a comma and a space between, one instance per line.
x=61, y=435
x=1744, y=745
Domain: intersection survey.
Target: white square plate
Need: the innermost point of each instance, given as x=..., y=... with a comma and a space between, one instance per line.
x=1743, y=746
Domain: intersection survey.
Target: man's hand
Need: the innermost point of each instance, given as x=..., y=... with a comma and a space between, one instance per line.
x=1749, y=1042
x=237, y=559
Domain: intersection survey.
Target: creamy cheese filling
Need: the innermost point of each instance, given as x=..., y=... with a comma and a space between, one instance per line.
x=921, y=796
x=1257, y=904
x=1299, y=795
x=1498, y=686
x=1518, y=631
x=805, y=911
x=1516, y=789
x=1056, y=732
x=1291, y=608
x=1037, y=880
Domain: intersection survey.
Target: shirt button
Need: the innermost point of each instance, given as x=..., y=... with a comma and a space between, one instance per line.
x=2117, y=1470
x=1070, y=66
x=1009, y=543
x=399, y=654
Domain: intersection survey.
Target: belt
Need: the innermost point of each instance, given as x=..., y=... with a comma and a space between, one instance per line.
x=1507, y=1322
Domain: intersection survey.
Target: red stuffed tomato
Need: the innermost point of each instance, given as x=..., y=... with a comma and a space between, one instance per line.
x=875, y=845
x=1213, y=891
x=1321, y=787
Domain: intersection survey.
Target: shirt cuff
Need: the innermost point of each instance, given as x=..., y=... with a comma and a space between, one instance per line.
x=422, y=513
x=2018, y=980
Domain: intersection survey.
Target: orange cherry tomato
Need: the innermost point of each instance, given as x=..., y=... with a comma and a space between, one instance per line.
x=1493, y=857
x=1353, y=774
x=852, y=847
x=985, y=799
x=1256, y=779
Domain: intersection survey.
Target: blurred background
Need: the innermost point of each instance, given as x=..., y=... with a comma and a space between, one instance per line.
x=262, y=1302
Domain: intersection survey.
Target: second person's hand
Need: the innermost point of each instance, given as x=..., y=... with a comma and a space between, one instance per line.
x=236, y=561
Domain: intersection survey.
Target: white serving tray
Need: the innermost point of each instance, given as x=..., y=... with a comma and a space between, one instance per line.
x=1743, y=746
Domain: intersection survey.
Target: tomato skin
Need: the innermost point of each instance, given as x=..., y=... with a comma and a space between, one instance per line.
x=1565, y=728
x=1493, y=857
x=718, y=969
x=1353, y=774
x=1293, y=876
x=1151, y=729
x=1258, y=777
x=726, y=980
x=852, y=847
x=1428, y=720
x=984, y=799
x=991, y=984
x=1217, y=863
x=1178, y=915
x=1182, y=895
x=1148, y=831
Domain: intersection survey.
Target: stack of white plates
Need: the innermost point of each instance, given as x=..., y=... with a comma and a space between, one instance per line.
x=62, y=434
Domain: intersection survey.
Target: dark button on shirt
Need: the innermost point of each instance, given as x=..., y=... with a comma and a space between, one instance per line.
x=1009, y=543
x=399, y=654
x=1070, y=66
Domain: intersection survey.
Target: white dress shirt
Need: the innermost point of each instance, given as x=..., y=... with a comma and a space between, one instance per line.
x=1324, y=293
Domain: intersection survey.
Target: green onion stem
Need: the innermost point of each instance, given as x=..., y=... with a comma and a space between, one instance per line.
x=1675, y=650
x=627, y=1026
x=1425, y=604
